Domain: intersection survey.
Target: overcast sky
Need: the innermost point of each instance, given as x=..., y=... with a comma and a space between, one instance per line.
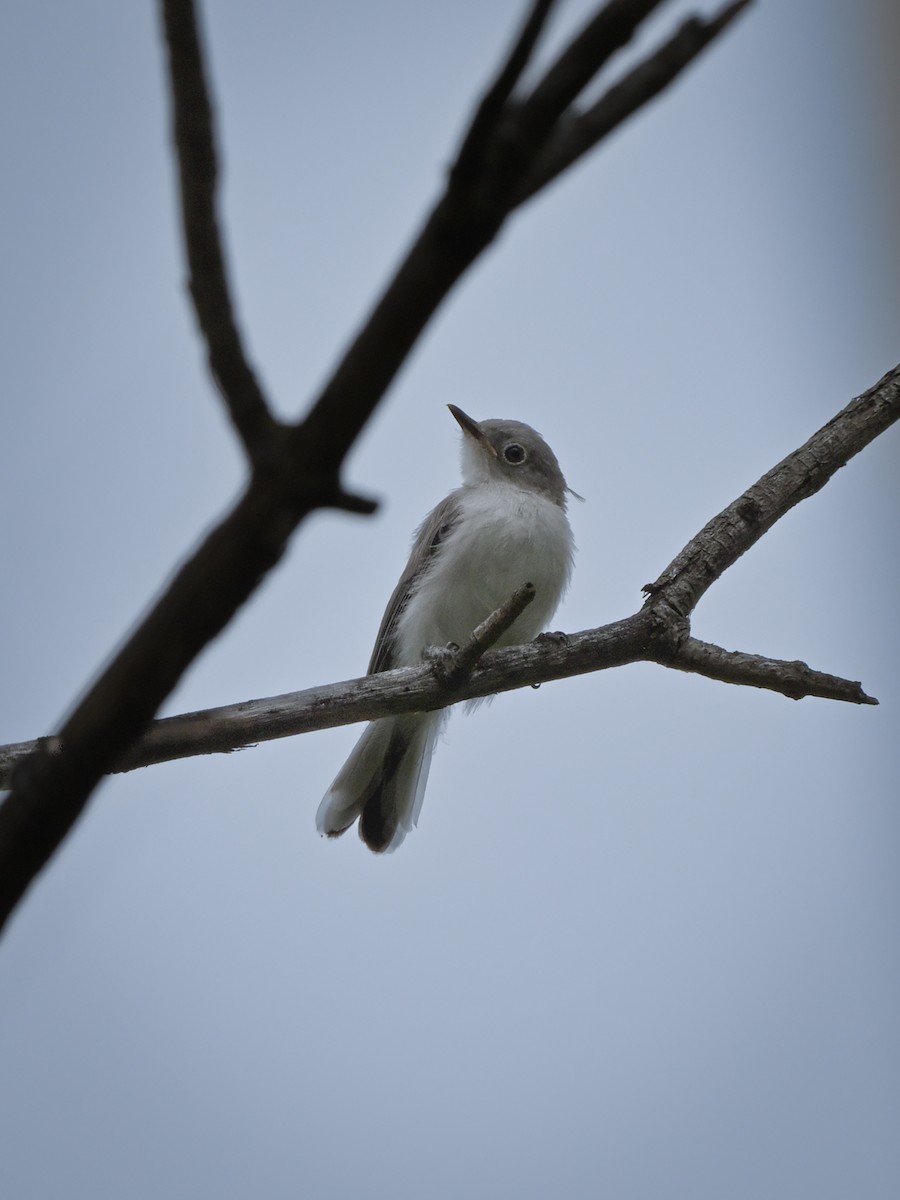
x=643, y=943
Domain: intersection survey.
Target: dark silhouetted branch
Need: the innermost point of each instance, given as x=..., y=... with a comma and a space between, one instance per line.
x=296, y=469
x=483, y=126
x=580, y=62
x=198, y=175
x=578, y=132
x=498, y=154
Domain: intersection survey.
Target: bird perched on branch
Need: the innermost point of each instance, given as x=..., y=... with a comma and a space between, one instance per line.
x=506, y=526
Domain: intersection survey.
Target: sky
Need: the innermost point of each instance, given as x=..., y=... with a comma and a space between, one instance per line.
x=643, y=942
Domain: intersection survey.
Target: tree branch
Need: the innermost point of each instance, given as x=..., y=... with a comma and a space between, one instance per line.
x=453, y=669
x=659, y=633
x=295, y=469
x=792, y=679
x=738, y=527
x=489, y=112
x=606, y=32
x=192, y=120
x=409, y=689
x=579, y=132
x=416, y=689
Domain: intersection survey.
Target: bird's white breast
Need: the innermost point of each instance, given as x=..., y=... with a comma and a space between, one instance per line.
x=505, y=536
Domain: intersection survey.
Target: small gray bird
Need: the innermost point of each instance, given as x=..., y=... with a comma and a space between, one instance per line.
x=504, y=527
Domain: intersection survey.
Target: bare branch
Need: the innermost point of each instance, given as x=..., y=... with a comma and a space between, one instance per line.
x=409, y=689
x=198, y=174
x=295, y=469
x=639, y=638
x=658, y=633
x=792, y=679
x=498, y=155
x=738, y=527
x=458, y=666
x=487, y=116
x=606, y=32
x=578, y=133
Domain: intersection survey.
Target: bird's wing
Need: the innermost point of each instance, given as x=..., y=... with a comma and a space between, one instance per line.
x=428, y=537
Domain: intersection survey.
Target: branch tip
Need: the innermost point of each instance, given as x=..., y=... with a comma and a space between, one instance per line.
x=795, y=680
x=455, y=667
x=348, y=502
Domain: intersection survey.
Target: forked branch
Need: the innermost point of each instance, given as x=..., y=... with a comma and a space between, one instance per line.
x=659, y=633
x=198, y=175
x=295, y=469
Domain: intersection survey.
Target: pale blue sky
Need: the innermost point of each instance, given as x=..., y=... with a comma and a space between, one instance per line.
x=643, y=943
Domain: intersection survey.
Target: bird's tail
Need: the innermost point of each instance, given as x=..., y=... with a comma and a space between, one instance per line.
x=383, y=781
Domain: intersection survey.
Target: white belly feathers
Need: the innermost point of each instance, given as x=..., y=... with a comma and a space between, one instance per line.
x=506, y=536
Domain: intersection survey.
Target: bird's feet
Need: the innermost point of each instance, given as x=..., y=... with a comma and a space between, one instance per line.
x=442, y=660
x=555, y=637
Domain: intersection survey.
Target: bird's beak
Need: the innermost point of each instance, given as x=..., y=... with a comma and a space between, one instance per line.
x=472, y=428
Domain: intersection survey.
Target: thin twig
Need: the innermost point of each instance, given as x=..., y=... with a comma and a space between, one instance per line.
x=606, y=32
x=194, y=138
x=795, y=679
x=577, y=133
x=488, y=113
x=727, y=536
x=456, y=667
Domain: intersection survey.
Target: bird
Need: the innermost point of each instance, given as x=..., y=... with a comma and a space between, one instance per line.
x=507, y=525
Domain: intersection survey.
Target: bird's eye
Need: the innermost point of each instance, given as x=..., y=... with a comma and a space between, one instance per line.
x=514, y=453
